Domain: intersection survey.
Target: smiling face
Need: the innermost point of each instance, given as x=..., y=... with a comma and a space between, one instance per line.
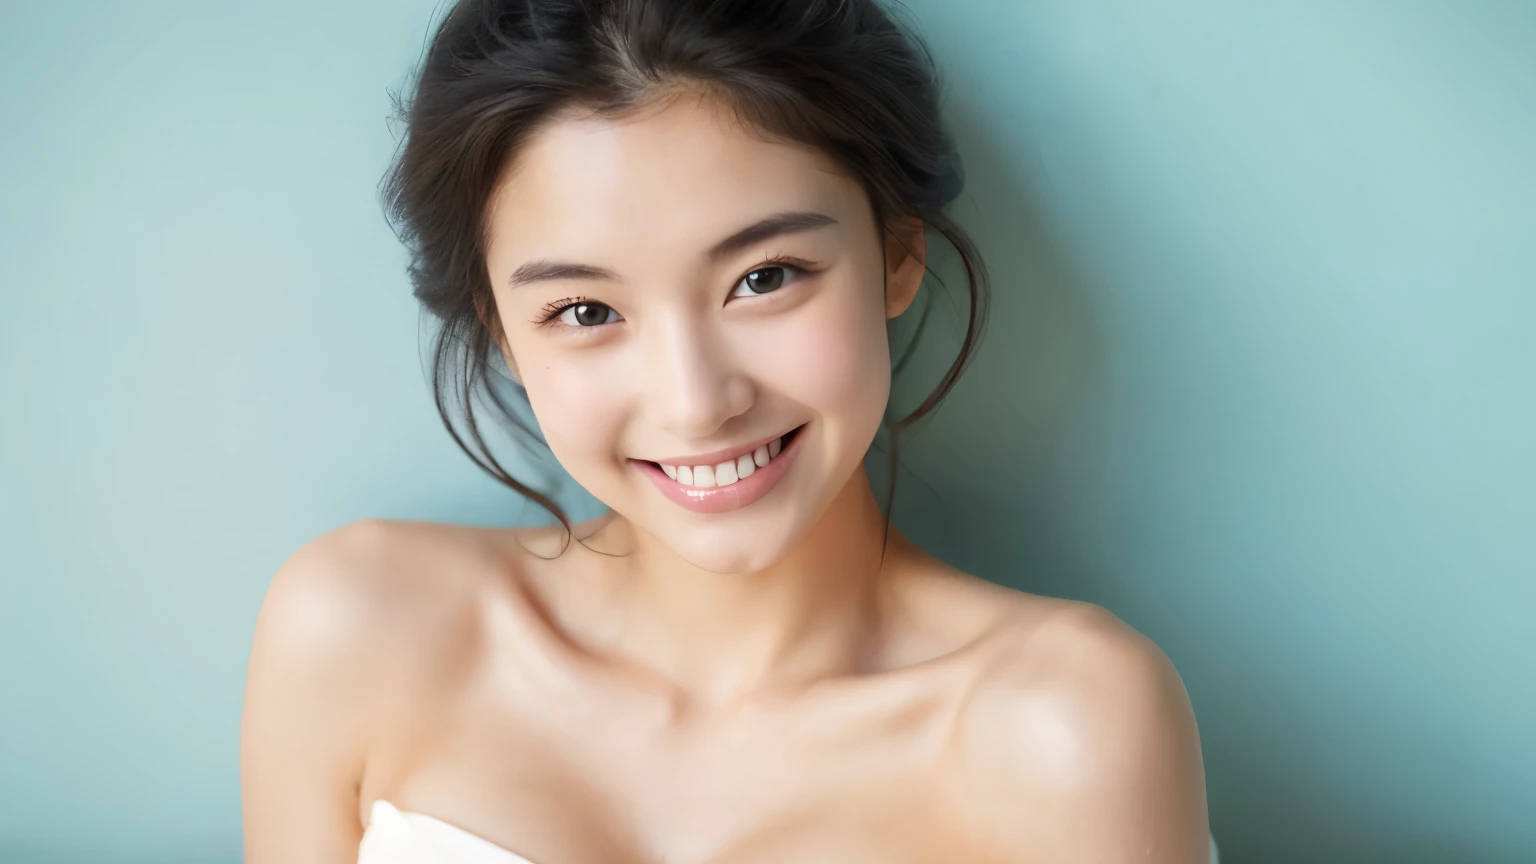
x=675, y=294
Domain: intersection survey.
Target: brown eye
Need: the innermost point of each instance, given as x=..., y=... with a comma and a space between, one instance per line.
x=583, y=313
x=592, y=314
x=764, y=280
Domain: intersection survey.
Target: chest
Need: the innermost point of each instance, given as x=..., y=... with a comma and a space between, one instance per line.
x=854, y=779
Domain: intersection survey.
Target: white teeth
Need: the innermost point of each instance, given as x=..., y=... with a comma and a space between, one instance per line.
x=725, y=473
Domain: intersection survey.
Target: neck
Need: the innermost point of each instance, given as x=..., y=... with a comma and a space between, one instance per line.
x=720, y=639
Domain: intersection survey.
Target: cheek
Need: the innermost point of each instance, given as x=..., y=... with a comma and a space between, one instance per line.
x=836, y=357
x=578, y=417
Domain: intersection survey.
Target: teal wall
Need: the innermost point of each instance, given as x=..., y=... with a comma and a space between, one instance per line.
x=1260, y=379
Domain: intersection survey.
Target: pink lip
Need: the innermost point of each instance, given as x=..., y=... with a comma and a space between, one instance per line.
x=715, y=457
x=721, y=499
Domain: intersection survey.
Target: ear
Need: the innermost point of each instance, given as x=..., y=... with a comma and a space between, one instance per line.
x=485, y=310
x=906, y=257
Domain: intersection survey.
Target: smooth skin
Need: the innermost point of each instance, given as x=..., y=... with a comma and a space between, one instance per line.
x=751, y=686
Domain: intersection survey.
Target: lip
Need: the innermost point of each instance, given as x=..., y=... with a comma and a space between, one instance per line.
x=715, y=457
x=722, y=499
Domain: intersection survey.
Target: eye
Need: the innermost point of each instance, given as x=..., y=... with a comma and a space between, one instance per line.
x=765, y=280
x=579, y=313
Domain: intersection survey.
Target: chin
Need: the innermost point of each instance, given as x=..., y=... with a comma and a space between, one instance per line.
x=748, y=548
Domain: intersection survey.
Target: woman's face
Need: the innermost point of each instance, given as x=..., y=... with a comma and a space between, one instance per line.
x=676, y=296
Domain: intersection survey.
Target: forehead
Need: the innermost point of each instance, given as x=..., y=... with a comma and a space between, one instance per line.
x=683, y=173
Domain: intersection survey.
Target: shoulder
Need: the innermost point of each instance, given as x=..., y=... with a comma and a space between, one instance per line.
x=352, y=588
x=1078, y=742
x=1076, y=667
x=350, y=627
x=380, y=604
x=356, y=615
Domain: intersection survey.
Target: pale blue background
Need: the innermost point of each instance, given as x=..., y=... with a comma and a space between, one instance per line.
x=1260, y=381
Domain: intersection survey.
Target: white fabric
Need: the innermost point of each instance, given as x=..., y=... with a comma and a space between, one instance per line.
x=398, y=837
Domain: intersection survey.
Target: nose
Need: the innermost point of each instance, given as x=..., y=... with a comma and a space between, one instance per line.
x=693, y=381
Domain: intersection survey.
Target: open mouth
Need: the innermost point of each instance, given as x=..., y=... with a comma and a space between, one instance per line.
x=730, y=471
x=728, y=484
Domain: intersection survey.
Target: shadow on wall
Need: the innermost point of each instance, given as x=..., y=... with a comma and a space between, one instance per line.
x=982, y=483
x=1012, y=479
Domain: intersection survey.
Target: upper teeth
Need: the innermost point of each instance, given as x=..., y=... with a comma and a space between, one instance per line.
x=725, y=473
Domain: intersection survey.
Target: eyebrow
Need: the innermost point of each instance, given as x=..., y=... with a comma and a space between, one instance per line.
x=777, y=225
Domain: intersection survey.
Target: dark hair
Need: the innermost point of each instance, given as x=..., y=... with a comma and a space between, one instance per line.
x=840, y=75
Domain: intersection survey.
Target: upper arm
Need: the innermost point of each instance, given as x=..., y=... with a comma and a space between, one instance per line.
x=1088, y=750
x=307, y=698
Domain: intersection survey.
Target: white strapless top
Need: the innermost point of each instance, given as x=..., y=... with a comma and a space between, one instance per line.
x=399, y=837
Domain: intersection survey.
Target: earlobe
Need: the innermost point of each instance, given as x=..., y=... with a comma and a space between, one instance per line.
x=906, y=255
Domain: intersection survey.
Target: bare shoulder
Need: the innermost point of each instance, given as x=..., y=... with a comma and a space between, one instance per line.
x=360, y=588
x=351, y=626
x=350, y=615
x=1078, y=741
x=385, y=602
x=1075, y=663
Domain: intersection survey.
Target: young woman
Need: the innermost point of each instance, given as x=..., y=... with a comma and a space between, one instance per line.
x=680, y=228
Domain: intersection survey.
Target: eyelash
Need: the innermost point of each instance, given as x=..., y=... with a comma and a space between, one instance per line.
x=549, y=314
